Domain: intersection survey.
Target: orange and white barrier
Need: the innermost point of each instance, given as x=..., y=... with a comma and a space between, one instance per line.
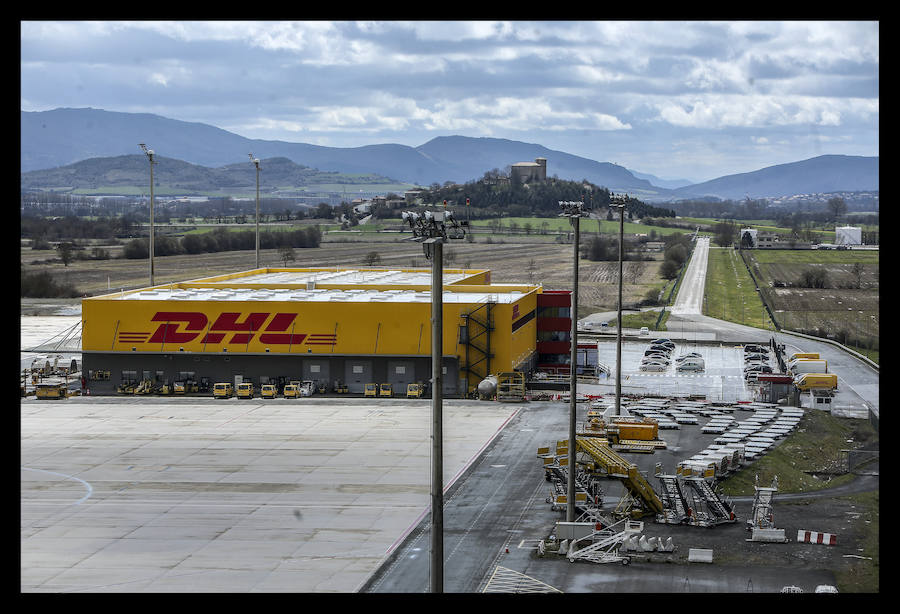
x=814, y=537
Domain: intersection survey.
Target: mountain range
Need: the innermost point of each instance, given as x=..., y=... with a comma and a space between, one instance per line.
x=61, y=137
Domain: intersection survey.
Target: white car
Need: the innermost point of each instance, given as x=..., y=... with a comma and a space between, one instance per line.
x=653, y=367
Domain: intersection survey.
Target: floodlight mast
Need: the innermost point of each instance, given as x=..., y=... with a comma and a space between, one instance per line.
x=431, y=229
x=256, y=162
x=574, y=210
x=150, y=156
x=619, y=202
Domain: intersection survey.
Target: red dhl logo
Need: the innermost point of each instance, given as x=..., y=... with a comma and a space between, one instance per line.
x=186, y=326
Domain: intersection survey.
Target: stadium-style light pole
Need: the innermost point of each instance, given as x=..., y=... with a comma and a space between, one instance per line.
x=256, y=162
x=619, y=202
x=574, y=210
x=432, y=229
x=150, y=156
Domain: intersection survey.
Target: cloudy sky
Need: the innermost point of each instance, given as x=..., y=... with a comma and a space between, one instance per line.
x=693, y=100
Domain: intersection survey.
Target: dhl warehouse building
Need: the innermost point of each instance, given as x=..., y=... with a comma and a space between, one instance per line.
x=348, y=325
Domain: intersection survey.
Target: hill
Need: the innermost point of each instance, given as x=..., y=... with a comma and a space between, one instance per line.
x=64, y=136
x=132, y=171
x=828, y=173
x=61, y=137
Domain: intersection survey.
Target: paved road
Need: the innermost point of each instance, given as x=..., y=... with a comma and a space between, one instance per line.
x=690, y=296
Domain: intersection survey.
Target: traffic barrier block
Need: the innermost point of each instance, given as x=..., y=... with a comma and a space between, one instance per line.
x=814, y=537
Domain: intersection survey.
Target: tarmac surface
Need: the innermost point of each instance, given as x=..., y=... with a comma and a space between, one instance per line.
x=206, y=495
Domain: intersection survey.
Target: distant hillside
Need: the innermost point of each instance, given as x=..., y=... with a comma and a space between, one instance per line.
x=133, y=171
x=64, y=136
x=829, y=173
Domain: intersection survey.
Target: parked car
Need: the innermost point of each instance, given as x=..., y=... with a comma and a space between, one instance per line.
x=644, y=330
x=653, y=367
x=758, y=369
x=684, y=357
x=689, y=365
x=756, y=357
x=661, y=348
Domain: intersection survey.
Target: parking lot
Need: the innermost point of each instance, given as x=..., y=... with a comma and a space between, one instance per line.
x=721, y=379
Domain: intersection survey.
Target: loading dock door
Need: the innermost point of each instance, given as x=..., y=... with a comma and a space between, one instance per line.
x=358, y=373
x=399, y=374
x=316, y=370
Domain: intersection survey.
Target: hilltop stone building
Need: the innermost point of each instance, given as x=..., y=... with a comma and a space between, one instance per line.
x=524, y=172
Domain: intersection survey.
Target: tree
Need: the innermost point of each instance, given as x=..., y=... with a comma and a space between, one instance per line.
x=286, y=254
x=371, y=259
x=723, y=233
x=857, y=274
x=66, y=252
x=836, y=207
x=669, y=269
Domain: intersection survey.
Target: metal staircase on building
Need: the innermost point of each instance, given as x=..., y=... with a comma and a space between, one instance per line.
x=475, y=337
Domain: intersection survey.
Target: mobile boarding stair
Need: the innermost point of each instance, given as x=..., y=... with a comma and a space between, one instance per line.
x=588, y=492
x=705, y=507
x=604, y=544
x=601, y=460
x=674, y=508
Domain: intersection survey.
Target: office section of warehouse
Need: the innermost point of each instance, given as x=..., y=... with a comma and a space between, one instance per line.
x=331, y=325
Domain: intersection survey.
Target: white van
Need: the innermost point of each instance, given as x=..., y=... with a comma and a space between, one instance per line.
x=644, y=330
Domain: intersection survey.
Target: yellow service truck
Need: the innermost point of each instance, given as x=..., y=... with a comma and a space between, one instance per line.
x=245, y=390
x=291, y=391
x=414, y=391
x=50, y=391
x=817, y=381
x=371, y=390
x=268, y=391
x=223, y=390
x=386, y=390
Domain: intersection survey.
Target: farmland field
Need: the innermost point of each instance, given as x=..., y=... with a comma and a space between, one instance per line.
x=511, y=259
x=846, y=309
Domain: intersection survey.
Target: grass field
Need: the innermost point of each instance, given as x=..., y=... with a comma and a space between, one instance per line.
x=730, y=293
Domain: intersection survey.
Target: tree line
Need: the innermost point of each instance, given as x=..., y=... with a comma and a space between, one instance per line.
x=222, y=240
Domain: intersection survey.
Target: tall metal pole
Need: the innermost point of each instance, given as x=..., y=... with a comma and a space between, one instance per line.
x=619, y=203
x=437, y=380
x=151, y=219
x=149, y=154
x=256, y=162
x=573, y=376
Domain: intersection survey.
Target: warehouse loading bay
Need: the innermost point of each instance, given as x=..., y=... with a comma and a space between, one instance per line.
x=196, y=494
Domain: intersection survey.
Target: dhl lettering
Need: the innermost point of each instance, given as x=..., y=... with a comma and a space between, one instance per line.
x=244, y=330
x=168, y=333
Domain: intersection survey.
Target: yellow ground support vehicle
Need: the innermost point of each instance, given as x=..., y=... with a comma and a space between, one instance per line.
x=268, y=391
x=291, y=391
x=810, y=381
x=50, y=391
x=178, y=388
x=371, y=390
x=245, y=390
x=223, y=390
x=414, y=391
x=386, y=390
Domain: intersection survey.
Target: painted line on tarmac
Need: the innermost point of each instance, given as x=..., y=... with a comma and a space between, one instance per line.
x=90, y=488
